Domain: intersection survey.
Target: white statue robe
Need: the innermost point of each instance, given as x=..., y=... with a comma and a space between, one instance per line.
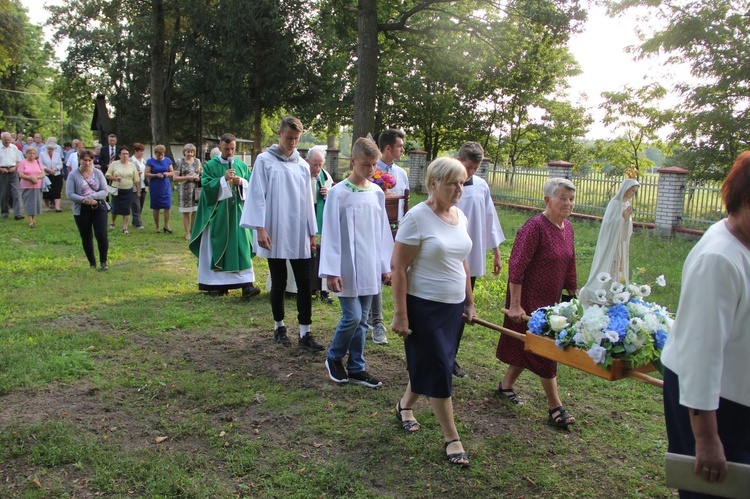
x=612, y=254
x=483, y=224
x=280, y=200
x=356, y=242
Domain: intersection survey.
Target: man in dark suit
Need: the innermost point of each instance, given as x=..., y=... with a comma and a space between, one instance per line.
x=108, y=153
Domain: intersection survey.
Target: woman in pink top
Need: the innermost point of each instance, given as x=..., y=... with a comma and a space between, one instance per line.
x=31, y=173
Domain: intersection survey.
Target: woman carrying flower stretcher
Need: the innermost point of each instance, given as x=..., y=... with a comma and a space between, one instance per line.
x=541, y=265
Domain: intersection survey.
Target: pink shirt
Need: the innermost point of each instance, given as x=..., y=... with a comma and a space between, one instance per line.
x=32, y=170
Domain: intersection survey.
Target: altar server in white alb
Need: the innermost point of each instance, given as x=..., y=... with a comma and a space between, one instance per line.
x=280, y=209
x=483, y=224
x=355, y=257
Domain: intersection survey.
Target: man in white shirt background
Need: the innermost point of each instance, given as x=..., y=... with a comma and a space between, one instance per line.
x=391, y=145
x=10, y=191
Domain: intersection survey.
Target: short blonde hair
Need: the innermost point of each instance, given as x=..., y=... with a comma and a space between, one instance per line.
x=365, y=148
x=160, y=149
x=188, y=147
x=444, y=170
x=31, y=148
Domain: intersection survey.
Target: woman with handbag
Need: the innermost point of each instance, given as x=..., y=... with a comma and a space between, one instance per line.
x=31, y=173
x=53, y=164
x=124, y=177
x=87, y=189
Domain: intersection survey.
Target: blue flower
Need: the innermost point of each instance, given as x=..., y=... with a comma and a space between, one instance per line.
x=619, y=318
x=537, y=322
x=660, y=337
x=598, y=354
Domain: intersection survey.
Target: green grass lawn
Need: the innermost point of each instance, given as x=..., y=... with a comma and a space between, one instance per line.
x=130, y=383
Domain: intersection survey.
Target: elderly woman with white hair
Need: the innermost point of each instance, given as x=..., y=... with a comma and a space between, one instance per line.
x=52, y=162
x=542, y=264
x=431, y=293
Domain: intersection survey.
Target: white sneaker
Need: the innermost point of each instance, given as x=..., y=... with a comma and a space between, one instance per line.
x=378, y=335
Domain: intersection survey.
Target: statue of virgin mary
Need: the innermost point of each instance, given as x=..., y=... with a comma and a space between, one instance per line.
x=612, y=254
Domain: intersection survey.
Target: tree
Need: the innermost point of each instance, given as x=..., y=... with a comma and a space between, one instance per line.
x=634, y=114
x=564, y=127
x=712, y=37
x=25, y=75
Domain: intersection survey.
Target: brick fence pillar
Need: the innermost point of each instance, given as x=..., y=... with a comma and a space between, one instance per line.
x=484, y=168
x=670, y=199
x=417, y=170
x=560, y=169
x=332, y=163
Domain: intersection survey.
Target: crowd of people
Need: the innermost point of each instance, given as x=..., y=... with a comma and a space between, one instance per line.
x=34, y=173
x=278, y=208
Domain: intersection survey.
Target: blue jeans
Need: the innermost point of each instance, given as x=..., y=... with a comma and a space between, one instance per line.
x=351, y=332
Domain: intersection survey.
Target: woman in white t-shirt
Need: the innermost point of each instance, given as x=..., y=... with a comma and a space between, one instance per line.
x=431, y=292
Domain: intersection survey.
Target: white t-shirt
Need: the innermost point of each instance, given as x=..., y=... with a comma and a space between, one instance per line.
x=402, y=182
x=709, y=344
x=437, y=271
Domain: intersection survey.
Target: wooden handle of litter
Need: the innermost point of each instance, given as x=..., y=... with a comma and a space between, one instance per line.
x=644, y=378
x=501, y=329
x=506, y=311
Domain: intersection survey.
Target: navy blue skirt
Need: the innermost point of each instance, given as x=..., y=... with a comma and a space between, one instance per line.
x=431, y=346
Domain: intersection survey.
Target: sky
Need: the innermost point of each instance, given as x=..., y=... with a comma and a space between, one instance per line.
x=599, y=49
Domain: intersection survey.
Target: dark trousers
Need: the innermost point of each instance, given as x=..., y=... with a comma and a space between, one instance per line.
x=301, y=269
x=136, y=205
x=93, y=223
x=463, y=324
x=10, y=193
x=731, y=419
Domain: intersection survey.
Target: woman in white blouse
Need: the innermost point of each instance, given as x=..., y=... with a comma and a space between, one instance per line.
x=52, y=163
x=706, y=395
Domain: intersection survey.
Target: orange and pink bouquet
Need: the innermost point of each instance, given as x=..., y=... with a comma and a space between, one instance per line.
x=383, y=180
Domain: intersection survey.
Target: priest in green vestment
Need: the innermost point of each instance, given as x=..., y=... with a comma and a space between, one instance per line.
x=223, y=247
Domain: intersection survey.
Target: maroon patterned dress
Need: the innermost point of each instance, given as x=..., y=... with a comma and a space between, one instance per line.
x=543, y=262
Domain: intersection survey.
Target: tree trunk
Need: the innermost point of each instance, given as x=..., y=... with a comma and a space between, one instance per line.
x=159, y=108
x=367, y=69
x=257, y=119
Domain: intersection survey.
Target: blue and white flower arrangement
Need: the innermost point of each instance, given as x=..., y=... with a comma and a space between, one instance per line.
x=619, y=324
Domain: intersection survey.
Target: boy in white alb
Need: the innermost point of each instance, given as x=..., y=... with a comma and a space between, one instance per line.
x=279, y=207
x=355, y=256
x=483, y=224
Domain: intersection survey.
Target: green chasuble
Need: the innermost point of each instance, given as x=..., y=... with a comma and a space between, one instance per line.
x=320, y=201
x=230, y=244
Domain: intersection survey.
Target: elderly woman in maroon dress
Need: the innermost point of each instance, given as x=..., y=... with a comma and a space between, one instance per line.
x=541, y=265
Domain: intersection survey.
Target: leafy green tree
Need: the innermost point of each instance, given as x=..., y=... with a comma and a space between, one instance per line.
x=565, y=125
x=712, y=37
x=634, y=113
x=26, y=102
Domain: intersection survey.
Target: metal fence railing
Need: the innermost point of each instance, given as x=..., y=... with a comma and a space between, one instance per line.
x=703, y=205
